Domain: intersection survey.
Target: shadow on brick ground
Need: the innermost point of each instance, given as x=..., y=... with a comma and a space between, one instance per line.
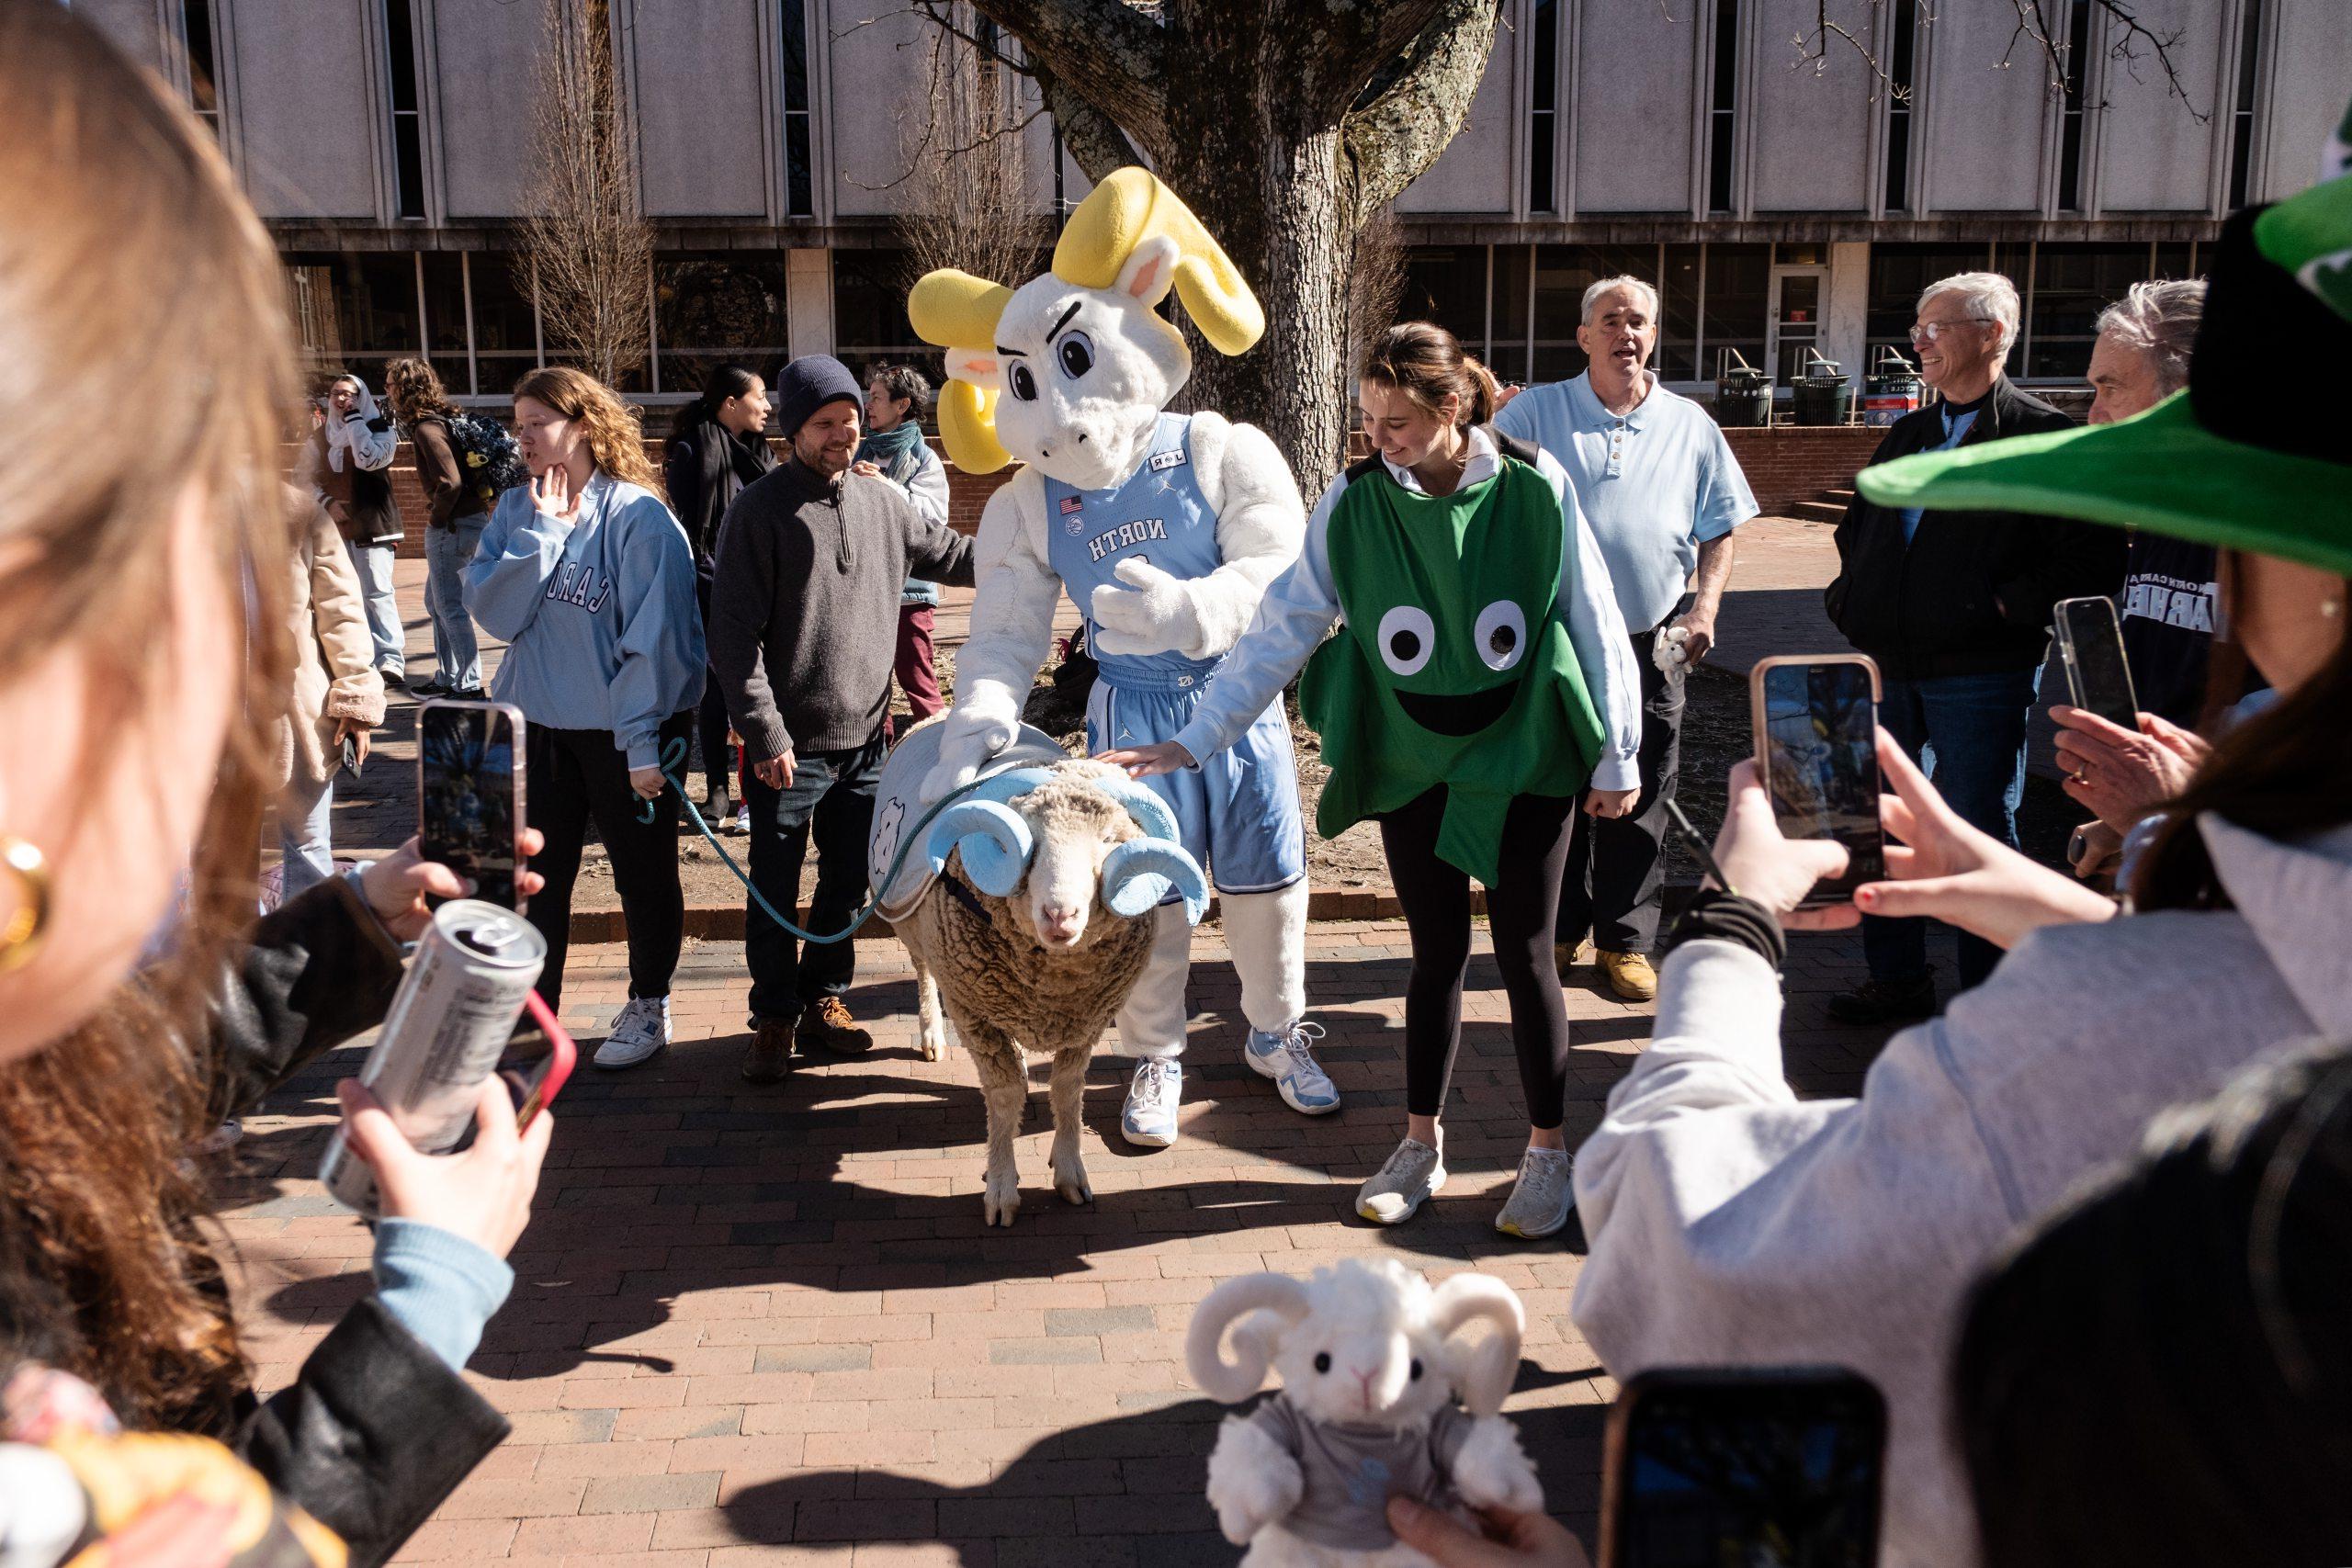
x=1121, y=1494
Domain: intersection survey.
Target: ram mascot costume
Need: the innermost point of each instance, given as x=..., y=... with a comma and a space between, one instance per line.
x=1166, y=530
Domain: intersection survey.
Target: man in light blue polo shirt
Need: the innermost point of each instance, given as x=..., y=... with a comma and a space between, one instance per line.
x=1662, y=492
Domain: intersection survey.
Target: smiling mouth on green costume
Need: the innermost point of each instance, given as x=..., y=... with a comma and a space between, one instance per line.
x=1455, y=716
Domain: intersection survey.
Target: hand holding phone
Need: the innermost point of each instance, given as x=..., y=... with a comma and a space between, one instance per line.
x=1817, y=749
x=2090, y=648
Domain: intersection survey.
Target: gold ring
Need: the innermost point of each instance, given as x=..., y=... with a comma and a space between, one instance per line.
x=20, y=937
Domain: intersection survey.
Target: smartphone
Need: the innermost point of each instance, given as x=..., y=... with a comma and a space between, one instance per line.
x=1764, y=1468
x=2091, y=645
x=470, y=793
x=1816, y=744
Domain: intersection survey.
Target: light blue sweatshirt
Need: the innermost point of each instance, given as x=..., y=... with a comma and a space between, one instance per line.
x=1302, y=605
x=599, y=613
x=442, y=1288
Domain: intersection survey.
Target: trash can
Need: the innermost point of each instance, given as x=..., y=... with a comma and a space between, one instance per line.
x=1892, y=390
x=1822, y=395
x=1743, y=394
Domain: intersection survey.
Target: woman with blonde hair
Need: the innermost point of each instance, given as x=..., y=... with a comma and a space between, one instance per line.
x=146, y=661
x=591, y=581
x=338, y=697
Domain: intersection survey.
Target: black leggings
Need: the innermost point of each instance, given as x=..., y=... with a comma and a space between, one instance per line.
x=1521, y=908
x=577, y=775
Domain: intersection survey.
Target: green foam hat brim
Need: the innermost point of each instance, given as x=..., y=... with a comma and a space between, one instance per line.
x=2161, y=470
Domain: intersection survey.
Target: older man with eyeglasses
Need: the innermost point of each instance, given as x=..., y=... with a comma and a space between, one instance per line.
x=1955, y=608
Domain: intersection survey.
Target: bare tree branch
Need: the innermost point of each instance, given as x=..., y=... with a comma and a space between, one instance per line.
x=1813, y=49
x=1106, y=52
x=971, y=200
x=587, y=253
x=2136, y=40
x=1390, y=141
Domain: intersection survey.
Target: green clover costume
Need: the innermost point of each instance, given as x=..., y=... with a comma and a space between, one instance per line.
x=1454, y=667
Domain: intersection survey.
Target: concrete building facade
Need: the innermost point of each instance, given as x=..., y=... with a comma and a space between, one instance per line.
x=1782, y=204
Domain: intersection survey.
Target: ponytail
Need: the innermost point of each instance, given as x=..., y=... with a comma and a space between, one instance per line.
x=724, y=382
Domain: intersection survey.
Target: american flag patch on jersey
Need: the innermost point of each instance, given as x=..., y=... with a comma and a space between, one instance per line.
x=1072, y=504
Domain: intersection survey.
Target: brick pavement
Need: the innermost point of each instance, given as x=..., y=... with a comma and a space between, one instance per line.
x=768, y=1324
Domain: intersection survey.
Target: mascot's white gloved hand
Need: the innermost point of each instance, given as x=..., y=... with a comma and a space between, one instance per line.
x=968, y=737
x=1154, y=613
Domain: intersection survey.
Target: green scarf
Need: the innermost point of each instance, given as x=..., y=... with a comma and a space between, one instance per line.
x=897, y=451
x=1454, y=667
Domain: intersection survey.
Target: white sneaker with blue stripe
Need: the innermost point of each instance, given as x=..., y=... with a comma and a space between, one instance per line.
x=1287, y=1057
x=1152, y=1098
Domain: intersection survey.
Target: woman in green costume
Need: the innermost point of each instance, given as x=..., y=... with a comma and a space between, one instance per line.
x=1482, y=684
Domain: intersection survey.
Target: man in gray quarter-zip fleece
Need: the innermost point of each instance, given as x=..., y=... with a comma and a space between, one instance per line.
x=804, y=621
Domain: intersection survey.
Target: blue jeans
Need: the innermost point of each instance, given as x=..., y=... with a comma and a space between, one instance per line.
x=1967, y=732
x=306, y=833
x=457, y=655
x=373, y=564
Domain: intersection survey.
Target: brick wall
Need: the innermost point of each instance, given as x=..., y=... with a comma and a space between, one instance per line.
x=1784, y=465
x=1788, y=463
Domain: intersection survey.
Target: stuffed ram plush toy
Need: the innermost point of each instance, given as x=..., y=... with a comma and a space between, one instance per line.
x=1165, y=529
x=1380, y=1398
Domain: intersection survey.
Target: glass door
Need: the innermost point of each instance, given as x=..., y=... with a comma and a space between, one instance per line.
x=1794, y=320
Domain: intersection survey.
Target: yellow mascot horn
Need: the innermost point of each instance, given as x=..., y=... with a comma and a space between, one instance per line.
x=1132, y=206
x=959, y=312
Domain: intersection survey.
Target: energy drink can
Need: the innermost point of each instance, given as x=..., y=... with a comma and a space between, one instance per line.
x=447, y=1027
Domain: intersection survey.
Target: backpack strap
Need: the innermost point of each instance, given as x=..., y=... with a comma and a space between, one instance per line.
x=1512, y=446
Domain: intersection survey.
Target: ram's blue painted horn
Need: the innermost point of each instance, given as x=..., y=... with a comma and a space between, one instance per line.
x=1143, y=804
x=994, y=839
x=1141, y=873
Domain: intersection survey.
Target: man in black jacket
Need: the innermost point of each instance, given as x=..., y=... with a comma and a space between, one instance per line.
x=804, y=628
x=1955, y=608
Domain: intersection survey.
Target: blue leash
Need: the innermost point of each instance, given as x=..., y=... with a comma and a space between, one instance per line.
x=673, y=756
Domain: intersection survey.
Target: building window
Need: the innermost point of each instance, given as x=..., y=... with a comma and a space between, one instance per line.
x=203, y=63
x=441, y=287
x=1736, y=289
x=1722, y=115
x=506, y=329
x=1898, y=106
x=408, y=131
x=1508, y=299
x=2070, y=135
x=2241, y=117
x=799, y=184
x=1447, y=284
x=1678, y=339
x=723, y=308
x=870, y=314
x=356, y=310
x=2072, y=284
x=1542, y=140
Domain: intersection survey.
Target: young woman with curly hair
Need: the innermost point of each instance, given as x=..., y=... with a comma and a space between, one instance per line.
x=591, y=581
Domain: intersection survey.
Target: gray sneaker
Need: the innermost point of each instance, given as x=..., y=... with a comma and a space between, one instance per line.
x=1413, y=1174
x=1542, y=1200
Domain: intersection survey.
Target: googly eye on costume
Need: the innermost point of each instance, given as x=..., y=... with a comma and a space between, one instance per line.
x=1022, y=384
x=1408, y=638
x=1500, y=635
x=1075, y=352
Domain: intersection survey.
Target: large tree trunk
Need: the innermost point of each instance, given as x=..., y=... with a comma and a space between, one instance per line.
x=1290, y=230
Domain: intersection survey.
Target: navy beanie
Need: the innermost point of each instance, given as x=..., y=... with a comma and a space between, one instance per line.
x=808, y=384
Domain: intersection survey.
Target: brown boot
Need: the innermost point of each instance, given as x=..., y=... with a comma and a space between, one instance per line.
x=1630, y=976
x=770, y=1052
x=827, y=1027
x=1569, y=955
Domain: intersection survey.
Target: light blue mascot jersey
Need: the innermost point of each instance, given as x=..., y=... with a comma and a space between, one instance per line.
x=1158, y=515
x=1240, y=809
